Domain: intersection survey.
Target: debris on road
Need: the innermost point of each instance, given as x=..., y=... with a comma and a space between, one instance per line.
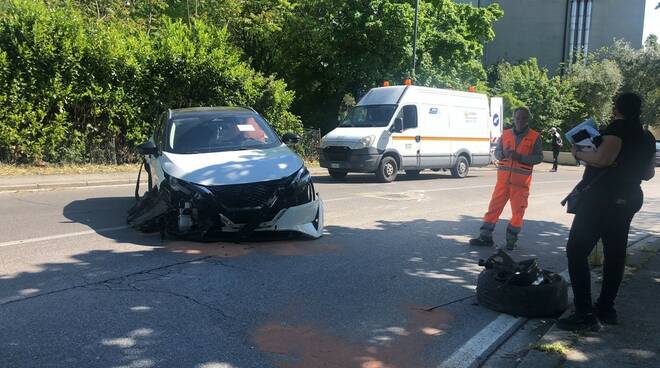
x=520, y=288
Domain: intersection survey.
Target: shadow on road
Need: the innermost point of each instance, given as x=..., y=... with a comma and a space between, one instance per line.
x=383, y=296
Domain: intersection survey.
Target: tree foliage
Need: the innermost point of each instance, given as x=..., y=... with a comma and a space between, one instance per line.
x=328, y=48
x=551, y=100
x=640, y=69
x=75, y=88
x=596, y=84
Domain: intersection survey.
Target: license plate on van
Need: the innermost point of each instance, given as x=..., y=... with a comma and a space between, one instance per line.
x=334, y=165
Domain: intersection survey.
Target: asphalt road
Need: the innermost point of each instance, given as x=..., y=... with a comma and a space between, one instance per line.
x=390, y=285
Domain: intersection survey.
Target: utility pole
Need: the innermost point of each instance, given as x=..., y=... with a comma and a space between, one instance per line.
x=414, y=63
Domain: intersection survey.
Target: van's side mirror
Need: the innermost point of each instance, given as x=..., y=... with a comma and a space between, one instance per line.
x=398, y=126
x=290, y=138
x=148, y=148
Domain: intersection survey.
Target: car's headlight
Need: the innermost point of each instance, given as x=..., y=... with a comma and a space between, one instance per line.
x=366, y=141
x=301, y=178
x=178, y=185
x=186, y=188
x=300, y=189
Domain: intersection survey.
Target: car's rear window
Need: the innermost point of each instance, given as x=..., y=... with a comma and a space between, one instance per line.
x=218, y=131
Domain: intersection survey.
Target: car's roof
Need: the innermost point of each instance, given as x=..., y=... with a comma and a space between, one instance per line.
x=213, y=109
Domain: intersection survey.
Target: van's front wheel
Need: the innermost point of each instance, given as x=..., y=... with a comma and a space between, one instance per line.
x=387, y=170
x=462, y=168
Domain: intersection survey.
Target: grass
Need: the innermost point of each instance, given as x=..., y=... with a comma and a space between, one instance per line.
x=16, y=170
x=554, y=348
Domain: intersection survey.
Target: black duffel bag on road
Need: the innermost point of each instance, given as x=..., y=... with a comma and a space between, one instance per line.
x=521, y=289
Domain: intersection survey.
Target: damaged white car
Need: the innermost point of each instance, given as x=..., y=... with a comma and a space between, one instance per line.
x=223, y=170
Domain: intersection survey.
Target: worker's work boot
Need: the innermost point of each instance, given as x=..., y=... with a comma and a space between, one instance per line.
x=482, y=241
x=511, y=244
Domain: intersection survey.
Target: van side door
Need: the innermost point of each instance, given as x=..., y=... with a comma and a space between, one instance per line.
x=435, y=150
x=407, y=140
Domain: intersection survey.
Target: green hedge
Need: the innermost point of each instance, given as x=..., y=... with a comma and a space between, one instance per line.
x=77, y=89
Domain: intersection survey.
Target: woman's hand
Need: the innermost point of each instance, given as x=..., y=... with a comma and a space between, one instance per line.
x=606, y=153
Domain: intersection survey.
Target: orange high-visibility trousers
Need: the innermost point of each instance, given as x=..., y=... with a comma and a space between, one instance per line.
x=505, y=192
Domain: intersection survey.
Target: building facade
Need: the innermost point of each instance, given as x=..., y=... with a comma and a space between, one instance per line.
x=558, y=31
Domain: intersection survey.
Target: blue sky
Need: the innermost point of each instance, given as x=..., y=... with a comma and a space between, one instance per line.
x=651, y=19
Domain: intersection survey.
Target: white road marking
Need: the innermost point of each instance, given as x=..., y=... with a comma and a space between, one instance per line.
x=62, y=236
x=480, y=345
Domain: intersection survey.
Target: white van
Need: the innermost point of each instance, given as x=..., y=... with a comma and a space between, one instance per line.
x=413, y=128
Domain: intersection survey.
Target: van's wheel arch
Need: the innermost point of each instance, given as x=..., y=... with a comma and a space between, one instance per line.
x=387, y=169
x=462, y=167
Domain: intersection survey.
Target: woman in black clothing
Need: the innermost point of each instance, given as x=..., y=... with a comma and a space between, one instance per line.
x=625, y=157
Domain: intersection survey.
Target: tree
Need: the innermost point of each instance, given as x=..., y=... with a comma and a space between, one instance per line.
x=328, y=48
x=641, y=73
x=595, y=84
x=551, y=100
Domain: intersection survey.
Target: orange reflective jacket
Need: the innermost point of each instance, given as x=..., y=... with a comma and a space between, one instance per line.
x=512, y=171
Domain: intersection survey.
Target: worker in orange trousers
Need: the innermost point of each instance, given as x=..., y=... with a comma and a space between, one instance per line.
x=518, y=150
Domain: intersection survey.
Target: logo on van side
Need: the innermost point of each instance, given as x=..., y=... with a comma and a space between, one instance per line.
x=433, y=111
x=496, y=119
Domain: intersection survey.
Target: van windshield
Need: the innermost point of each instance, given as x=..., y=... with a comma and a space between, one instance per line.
x=369, y=116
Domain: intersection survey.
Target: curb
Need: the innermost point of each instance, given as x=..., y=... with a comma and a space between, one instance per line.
x=73, y=184
x=638, y=254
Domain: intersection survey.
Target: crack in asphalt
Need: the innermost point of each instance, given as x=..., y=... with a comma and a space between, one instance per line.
x=115, y=280
x=133, y=288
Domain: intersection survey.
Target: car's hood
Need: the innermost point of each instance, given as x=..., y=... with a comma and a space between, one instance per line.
x=232, y=167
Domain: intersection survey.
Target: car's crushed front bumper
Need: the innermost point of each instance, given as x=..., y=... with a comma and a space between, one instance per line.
x=185, y=209
x=306, y=219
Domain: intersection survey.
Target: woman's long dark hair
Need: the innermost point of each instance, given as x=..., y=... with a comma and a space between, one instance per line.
x=629, y=105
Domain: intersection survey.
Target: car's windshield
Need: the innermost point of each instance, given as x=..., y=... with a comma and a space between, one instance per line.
x=202, y=132
x=369, y=116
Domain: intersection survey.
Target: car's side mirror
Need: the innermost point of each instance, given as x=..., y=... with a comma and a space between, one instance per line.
x=290, y=138
x=398, y=126
x=148, y=148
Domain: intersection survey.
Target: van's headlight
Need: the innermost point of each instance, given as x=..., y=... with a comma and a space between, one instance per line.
x=366, y=141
